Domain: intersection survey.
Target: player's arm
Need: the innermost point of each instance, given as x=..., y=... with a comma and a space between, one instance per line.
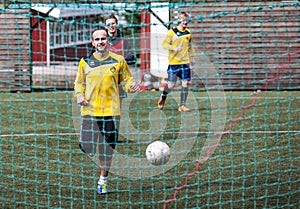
x=167, y=43
x=191, y=51
x=79, y=84
x=127, y=79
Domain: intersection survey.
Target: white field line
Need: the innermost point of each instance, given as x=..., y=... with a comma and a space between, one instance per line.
x=200, y=132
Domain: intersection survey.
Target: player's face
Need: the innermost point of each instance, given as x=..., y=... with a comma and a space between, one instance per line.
x=100, y=40
x=183, y=22
x=111, y=25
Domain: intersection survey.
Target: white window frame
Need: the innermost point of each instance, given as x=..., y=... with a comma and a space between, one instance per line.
x=61, y=30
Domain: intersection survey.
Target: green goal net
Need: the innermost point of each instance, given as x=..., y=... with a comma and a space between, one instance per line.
x=238, y=147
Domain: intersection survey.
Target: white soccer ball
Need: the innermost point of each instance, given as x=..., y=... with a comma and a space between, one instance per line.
x=158, y=153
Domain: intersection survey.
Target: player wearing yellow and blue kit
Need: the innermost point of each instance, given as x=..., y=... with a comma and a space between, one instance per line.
x=179, y=43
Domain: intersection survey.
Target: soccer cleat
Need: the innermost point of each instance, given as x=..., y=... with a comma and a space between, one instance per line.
x=161, y=103
x=102, y=188
x=183, y=109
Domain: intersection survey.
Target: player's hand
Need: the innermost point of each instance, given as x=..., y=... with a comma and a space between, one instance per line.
x=178, y=49
x=134, y=87
x=192, y=61
x=82, y=101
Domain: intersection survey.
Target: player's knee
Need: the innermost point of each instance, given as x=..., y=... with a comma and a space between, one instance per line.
x=105, y=157
x=184, y=83
x=171, y=86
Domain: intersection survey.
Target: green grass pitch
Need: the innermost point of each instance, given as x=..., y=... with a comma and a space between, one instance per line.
x=256, y=165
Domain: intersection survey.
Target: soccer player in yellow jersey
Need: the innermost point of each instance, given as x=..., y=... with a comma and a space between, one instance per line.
x=179, y=43
x=96, y=90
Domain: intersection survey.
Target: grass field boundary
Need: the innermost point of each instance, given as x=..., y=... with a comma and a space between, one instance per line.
x=200, y=132
x=51, y=100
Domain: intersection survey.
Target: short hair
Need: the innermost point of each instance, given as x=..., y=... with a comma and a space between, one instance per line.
x=100, y=28
x=111, y=16
x=185, y=14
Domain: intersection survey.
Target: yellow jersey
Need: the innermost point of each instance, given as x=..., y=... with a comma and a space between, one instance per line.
x=98, y=80
x=179, y=38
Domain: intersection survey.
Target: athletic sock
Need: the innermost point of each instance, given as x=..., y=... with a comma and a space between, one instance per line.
x=165, y=93
x=164, y=97
x=166, y=90
x=102, y=180
x=184, y=94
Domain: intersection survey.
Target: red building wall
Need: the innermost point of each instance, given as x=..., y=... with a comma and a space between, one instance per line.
x=70, y=54
x=38, y=28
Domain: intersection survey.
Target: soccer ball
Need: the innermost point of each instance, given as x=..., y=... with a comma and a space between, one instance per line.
x=158, y=153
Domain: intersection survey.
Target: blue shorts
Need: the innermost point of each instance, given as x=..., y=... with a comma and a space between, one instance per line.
x=182, y=71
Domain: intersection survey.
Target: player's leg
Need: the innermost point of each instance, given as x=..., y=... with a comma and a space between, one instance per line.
x=122, y=95
x=117, y=124
x=185, y=78
x=89, y=135
x=172, y=78
x=107, y=144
